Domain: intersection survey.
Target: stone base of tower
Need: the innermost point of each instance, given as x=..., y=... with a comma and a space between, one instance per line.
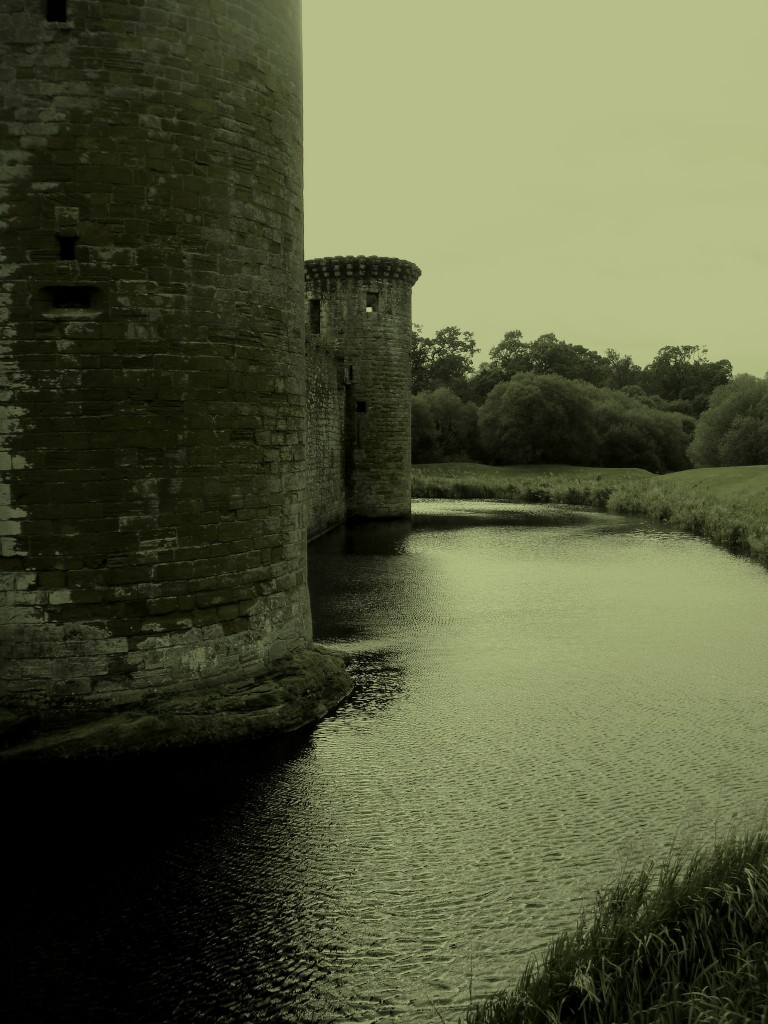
x=297, y=691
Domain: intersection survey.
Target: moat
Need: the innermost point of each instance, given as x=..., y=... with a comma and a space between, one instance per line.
x=544, y=694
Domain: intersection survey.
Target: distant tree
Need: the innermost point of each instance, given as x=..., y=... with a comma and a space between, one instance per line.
x=733, y=430
x=546, y=418
x=547, y=354
x=684, y=372
x=536, y=418
x=625, y=444
x=507, y=358
x=444, y=361
x=634, y=433
x=483, y=381
x=443, y=428
x=621, y=371
x=574, y=362
x=423, y=431
x=510, y=356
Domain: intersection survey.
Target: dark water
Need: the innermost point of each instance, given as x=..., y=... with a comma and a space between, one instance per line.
x=544, y=696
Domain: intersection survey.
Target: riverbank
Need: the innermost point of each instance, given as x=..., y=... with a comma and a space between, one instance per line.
x=295, y=692
x=684, y=941
x=727, y=505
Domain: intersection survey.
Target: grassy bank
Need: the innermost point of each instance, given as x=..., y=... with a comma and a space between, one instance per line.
x=687, y=941
x=728, y=506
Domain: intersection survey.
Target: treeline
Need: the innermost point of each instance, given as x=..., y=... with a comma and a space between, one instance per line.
x=548, y=401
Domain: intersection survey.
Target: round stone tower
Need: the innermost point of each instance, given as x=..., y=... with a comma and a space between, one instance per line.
x=360, y=306
x=153, y=534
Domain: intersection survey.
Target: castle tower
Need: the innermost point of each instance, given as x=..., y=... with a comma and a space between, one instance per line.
x=359, y=309
x=152, y=523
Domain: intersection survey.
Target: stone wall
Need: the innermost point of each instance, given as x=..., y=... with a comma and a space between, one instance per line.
x=153, y=365
x=326, y=437
x=358, y=335
x=157, y=479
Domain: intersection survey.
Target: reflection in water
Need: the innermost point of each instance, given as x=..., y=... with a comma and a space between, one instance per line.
x=543, y=695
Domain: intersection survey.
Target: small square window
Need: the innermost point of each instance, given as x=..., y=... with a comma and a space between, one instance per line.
x=56, y=10
x=362, y=407
x=67, y=245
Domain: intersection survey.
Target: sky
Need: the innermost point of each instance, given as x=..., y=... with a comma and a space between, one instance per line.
x=595, y=169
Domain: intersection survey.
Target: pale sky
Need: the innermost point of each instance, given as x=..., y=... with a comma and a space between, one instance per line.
x=597, y=169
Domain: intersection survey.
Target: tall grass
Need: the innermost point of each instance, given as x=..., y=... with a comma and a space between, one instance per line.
x=681, y=942
x=733, y=523
x=560, y=484
x=718, y=511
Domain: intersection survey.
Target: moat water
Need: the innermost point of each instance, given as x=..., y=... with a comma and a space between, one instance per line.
x=544, y=696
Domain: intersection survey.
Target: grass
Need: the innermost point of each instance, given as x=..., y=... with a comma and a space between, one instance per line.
x=728, y=505
x=686, y=941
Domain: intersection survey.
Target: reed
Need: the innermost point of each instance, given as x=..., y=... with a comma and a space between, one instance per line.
x=681, y=941
x=727, y=506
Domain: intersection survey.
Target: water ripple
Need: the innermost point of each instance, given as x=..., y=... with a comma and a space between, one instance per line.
x=544, y=696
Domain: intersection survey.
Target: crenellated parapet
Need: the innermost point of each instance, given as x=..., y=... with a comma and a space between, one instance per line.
x=362, y=267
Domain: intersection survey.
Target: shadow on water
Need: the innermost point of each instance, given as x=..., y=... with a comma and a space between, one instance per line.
x=99, y=859
x=530, y=703
x=109, y=803
x=384, y=538
x=449, y=515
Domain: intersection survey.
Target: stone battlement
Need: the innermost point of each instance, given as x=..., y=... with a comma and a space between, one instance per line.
x=363, y=267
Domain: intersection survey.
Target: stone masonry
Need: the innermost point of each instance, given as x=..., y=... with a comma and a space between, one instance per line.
x=153, y=366
x=155, y=385
x=358, y=331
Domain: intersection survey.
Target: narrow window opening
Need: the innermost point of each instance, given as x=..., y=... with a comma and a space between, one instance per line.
x=371, y=302
x=67, y=245
x=56, y=10
x=314, y=316
x=350, y=374
x=362, y=407
x=70, y=296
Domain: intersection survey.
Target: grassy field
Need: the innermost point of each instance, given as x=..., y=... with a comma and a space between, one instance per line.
x=684, y=941
x=728, y=506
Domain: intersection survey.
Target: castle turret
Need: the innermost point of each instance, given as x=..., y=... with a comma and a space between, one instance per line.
x=359, y=310
x=152, y=459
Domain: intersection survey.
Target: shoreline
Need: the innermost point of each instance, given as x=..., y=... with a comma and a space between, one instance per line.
x=684, y=939
x=726, y=506
x=297, y=692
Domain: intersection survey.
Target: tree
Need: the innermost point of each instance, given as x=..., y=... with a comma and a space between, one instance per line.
x=547, y=354
x=423, y=431
x=443, y=428
x=621, y=371
x=443, y=361
x=483, y=381
x=733, y=430
x=635, y=433
x=537, y=418
x=511, y=355
x=574, y=362
x=684, y=372
x=546, y=418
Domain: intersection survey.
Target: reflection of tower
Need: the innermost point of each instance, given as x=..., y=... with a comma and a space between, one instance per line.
x=361, y=305
x=151, y=454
